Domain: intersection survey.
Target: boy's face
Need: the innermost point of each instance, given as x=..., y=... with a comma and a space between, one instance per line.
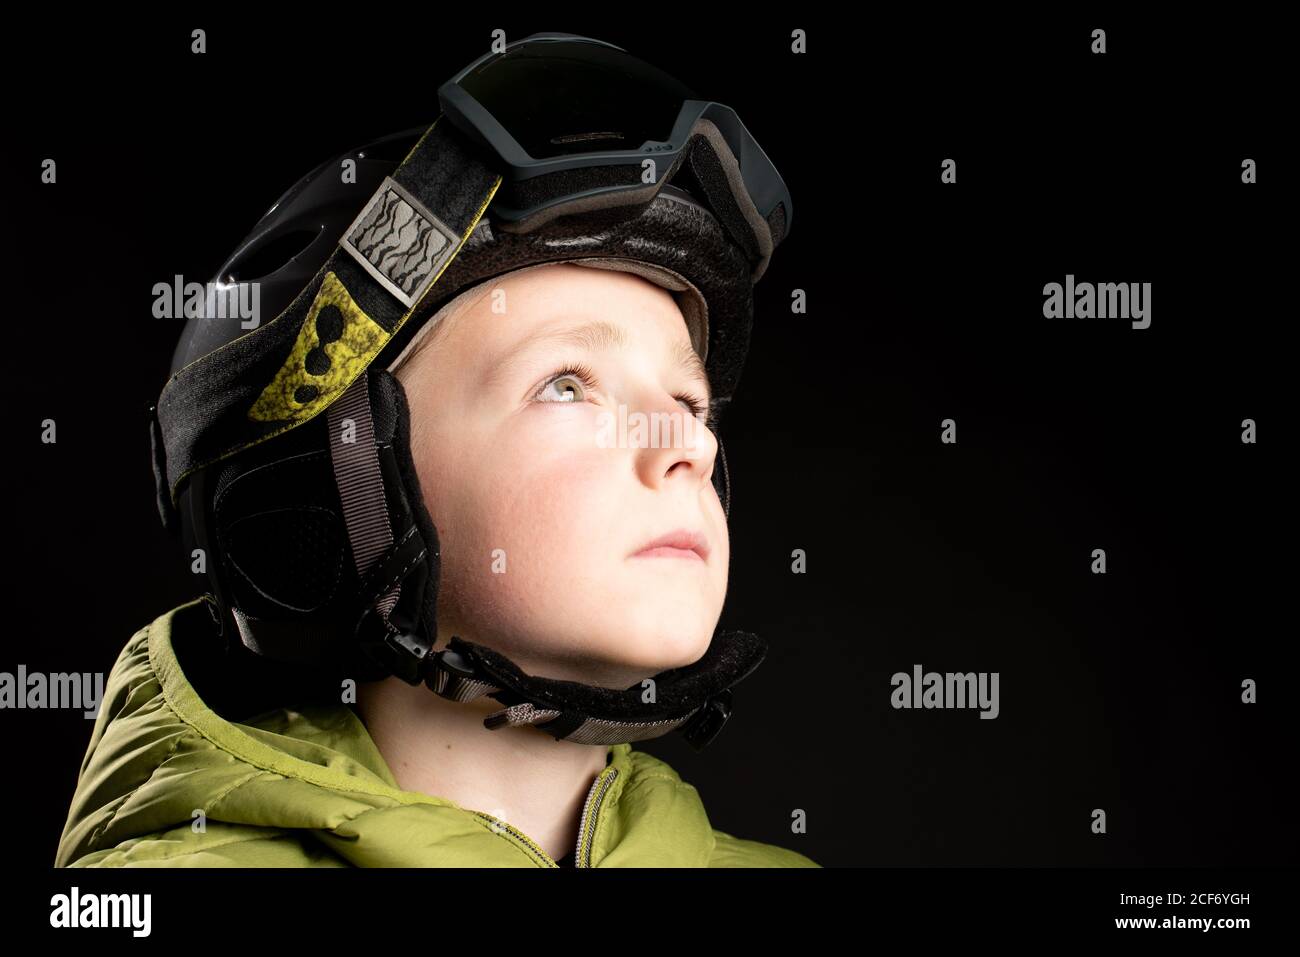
x=541, y=501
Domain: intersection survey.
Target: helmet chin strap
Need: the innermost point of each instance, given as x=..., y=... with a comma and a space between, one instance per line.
x=695, y=698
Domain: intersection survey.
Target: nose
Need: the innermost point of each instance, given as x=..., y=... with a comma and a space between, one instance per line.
x=672, y=444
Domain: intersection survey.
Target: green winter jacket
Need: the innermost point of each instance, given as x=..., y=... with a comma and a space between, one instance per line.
x=306, y=787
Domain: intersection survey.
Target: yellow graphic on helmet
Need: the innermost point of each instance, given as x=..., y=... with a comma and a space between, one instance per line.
x=334, y=346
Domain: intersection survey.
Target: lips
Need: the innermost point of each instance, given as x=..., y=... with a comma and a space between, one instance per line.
x=679, y=543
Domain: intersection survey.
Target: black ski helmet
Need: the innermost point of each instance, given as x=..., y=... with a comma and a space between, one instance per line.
x=321, y=552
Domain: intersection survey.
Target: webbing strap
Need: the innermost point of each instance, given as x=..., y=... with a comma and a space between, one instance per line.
x=458, y=687
x=590, y=731
x=361, y=484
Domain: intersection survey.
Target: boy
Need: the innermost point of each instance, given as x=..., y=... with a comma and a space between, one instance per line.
x=584, y=564
x=397, y=781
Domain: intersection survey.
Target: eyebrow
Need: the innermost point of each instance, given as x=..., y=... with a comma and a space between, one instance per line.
x=594, y=336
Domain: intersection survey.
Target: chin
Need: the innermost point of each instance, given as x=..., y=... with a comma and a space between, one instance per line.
x=657, y=647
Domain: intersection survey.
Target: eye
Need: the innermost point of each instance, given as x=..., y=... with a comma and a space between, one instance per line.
x=569, y=384
x=703, y=410
x=694, y=404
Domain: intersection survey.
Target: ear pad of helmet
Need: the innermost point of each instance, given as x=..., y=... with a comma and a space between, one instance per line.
x=284, y=563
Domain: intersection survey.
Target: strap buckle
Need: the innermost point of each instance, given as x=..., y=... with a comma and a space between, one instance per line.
x=399, y=650
x=453, y=676
x=708, y=721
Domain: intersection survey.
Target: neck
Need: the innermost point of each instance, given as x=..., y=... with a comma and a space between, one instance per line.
x=523, y=776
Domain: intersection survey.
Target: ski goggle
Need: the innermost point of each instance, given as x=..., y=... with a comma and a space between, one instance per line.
x=575, y=123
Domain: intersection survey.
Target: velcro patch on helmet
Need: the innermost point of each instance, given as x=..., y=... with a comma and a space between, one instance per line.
x=335, y=345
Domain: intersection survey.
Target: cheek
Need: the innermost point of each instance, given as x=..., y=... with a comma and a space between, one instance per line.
x=541, y=500
x=555, y=506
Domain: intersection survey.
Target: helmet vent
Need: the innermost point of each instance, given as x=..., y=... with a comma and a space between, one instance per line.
x=271, y=255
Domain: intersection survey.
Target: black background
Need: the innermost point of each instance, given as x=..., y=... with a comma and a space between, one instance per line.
x=1119, y=692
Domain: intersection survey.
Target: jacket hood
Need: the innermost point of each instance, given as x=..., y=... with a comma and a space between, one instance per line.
x=171, y=778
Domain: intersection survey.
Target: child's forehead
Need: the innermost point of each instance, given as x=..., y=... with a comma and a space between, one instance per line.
x=566, y=287
x=558, y=326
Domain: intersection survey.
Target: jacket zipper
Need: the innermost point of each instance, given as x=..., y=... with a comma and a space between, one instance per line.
x=586, y=825
x=590, y=811
x=519, y=835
